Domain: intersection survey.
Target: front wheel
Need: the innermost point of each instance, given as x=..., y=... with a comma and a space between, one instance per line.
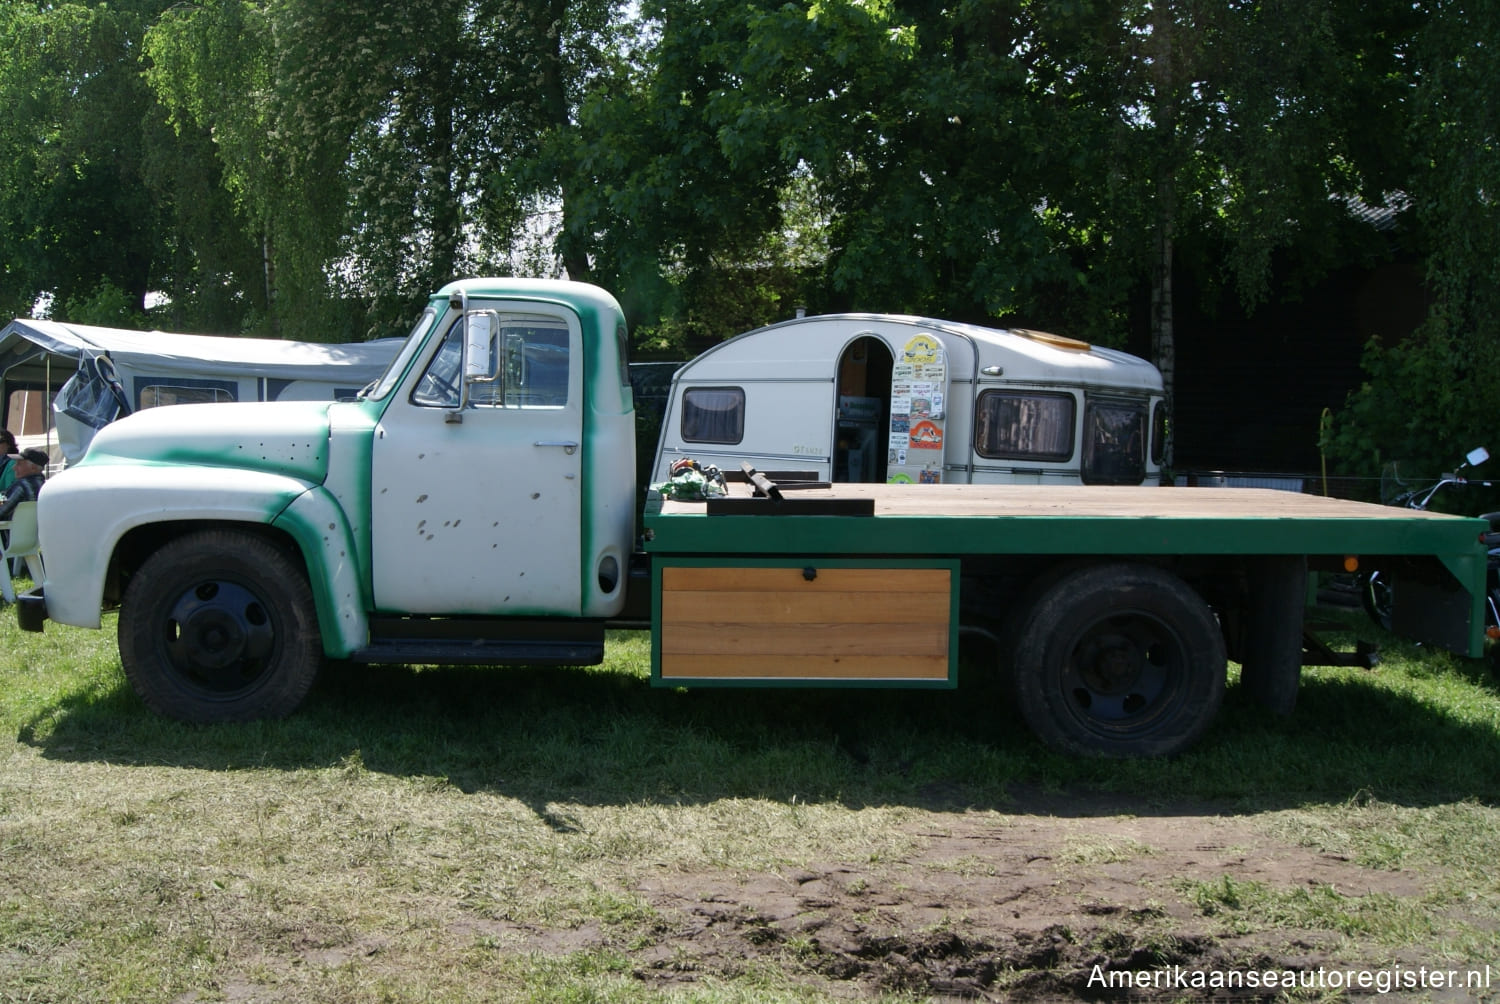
x=219, y=626
x=1375, y=597
x=1119, y=660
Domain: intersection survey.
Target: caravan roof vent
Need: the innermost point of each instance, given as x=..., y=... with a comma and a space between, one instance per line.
x=1056, y=341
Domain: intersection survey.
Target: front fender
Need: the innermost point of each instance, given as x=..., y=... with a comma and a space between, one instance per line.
x=317, y=523
x=84, y=512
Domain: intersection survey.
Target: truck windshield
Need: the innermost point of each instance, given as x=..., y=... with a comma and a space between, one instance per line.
x=387, y=382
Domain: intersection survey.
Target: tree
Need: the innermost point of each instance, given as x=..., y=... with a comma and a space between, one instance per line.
x=905, y=134
x=1431, y=397
x=75, y=215
x=375, y=169
x=1229, y=138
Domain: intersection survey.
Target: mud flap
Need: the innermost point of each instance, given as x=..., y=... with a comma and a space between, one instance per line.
x=1272, y=666
x=1432, y=608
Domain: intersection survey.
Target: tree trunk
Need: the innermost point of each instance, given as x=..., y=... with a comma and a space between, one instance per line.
x=1164, y=85
x=1163, y=343
x=572, y=249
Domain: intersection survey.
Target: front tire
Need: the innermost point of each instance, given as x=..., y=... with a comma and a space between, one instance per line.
x=1375, y=597
x=220, y=626
x=1120, y=661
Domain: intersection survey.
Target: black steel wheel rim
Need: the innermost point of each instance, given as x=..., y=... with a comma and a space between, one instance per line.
x=220, y=638
x=1123, y=673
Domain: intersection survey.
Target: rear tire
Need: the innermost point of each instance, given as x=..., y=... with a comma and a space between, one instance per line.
x=1121, y=661
x=1271, y=670
x=220, y=626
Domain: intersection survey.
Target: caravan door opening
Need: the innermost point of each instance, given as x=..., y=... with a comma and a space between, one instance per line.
x=863, y=411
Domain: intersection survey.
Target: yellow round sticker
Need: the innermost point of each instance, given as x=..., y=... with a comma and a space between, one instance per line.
x=922, y=349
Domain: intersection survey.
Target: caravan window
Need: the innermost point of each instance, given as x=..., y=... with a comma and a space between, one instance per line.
x=1114, y=443
x=713, y=415
x=1011, y=425
x=153, y=392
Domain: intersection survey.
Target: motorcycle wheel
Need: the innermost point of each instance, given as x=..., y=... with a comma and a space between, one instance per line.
x=1375, y=596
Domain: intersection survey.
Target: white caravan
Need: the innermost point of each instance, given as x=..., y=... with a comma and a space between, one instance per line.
x=888, y=398
x=60, y=383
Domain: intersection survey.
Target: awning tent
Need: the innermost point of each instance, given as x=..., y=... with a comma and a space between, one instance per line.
x=155, y=367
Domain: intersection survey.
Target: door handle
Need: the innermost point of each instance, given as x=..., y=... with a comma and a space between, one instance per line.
x=567, y=447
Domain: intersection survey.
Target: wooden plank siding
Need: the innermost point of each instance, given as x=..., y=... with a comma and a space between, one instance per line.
x=844, y=625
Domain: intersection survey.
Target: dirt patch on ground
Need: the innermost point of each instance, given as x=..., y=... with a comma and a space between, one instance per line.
x=1018, y=907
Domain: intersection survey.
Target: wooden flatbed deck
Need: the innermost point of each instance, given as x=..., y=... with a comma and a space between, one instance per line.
x=1085, y=500
x=1024, y=519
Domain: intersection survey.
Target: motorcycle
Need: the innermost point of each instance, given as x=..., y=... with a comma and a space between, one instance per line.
x=1375, y=585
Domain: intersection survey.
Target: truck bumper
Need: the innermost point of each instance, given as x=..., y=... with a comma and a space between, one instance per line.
x=31, y=610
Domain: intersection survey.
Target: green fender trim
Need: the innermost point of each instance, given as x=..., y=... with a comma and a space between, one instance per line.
x=316, y=522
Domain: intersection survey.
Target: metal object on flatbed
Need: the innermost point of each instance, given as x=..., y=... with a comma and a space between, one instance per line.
x=767, y=498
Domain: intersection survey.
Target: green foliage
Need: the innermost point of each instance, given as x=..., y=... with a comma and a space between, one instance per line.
x=1432, y=397
x=313, y=169
x=73, y=211
x=1429, y=399
x=373, y=168
x=108, y=306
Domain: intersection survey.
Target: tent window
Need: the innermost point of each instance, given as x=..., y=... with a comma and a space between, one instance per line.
x=153, y=392
x=26, y=409
x=713, y=415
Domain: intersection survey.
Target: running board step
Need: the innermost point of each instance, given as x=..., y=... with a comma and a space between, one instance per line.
x=458, y=641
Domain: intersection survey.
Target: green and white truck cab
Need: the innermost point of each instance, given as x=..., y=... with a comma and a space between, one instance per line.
x=485, y=475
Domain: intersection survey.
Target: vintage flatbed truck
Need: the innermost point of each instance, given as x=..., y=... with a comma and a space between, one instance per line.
x=477, y=506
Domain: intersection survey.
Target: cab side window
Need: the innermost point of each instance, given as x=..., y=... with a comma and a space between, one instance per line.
x=533, y=355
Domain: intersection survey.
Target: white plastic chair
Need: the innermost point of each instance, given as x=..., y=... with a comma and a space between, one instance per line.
x=23, y=544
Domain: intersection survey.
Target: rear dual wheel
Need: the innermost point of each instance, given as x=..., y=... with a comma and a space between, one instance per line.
x=1119, y=660
x=219, y=626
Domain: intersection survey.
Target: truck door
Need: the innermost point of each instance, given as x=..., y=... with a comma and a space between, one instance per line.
x=477, y=510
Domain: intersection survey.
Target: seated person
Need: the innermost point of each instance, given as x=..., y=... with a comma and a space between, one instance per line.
x=8, y=449
x=30, y=467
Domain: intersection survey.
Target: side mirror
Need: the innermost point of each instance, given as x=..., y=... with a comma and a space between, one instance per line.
x=479, y=364
x=1477, y=456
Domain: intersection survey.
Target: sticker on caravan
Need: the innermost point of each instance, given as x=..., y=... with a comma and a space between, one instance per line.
x=926, y=436
x=919, y=385
x=922, y=349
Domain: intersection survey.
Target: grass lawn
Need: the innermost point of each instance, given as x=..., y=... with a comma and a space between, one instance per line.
x=574, y=835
